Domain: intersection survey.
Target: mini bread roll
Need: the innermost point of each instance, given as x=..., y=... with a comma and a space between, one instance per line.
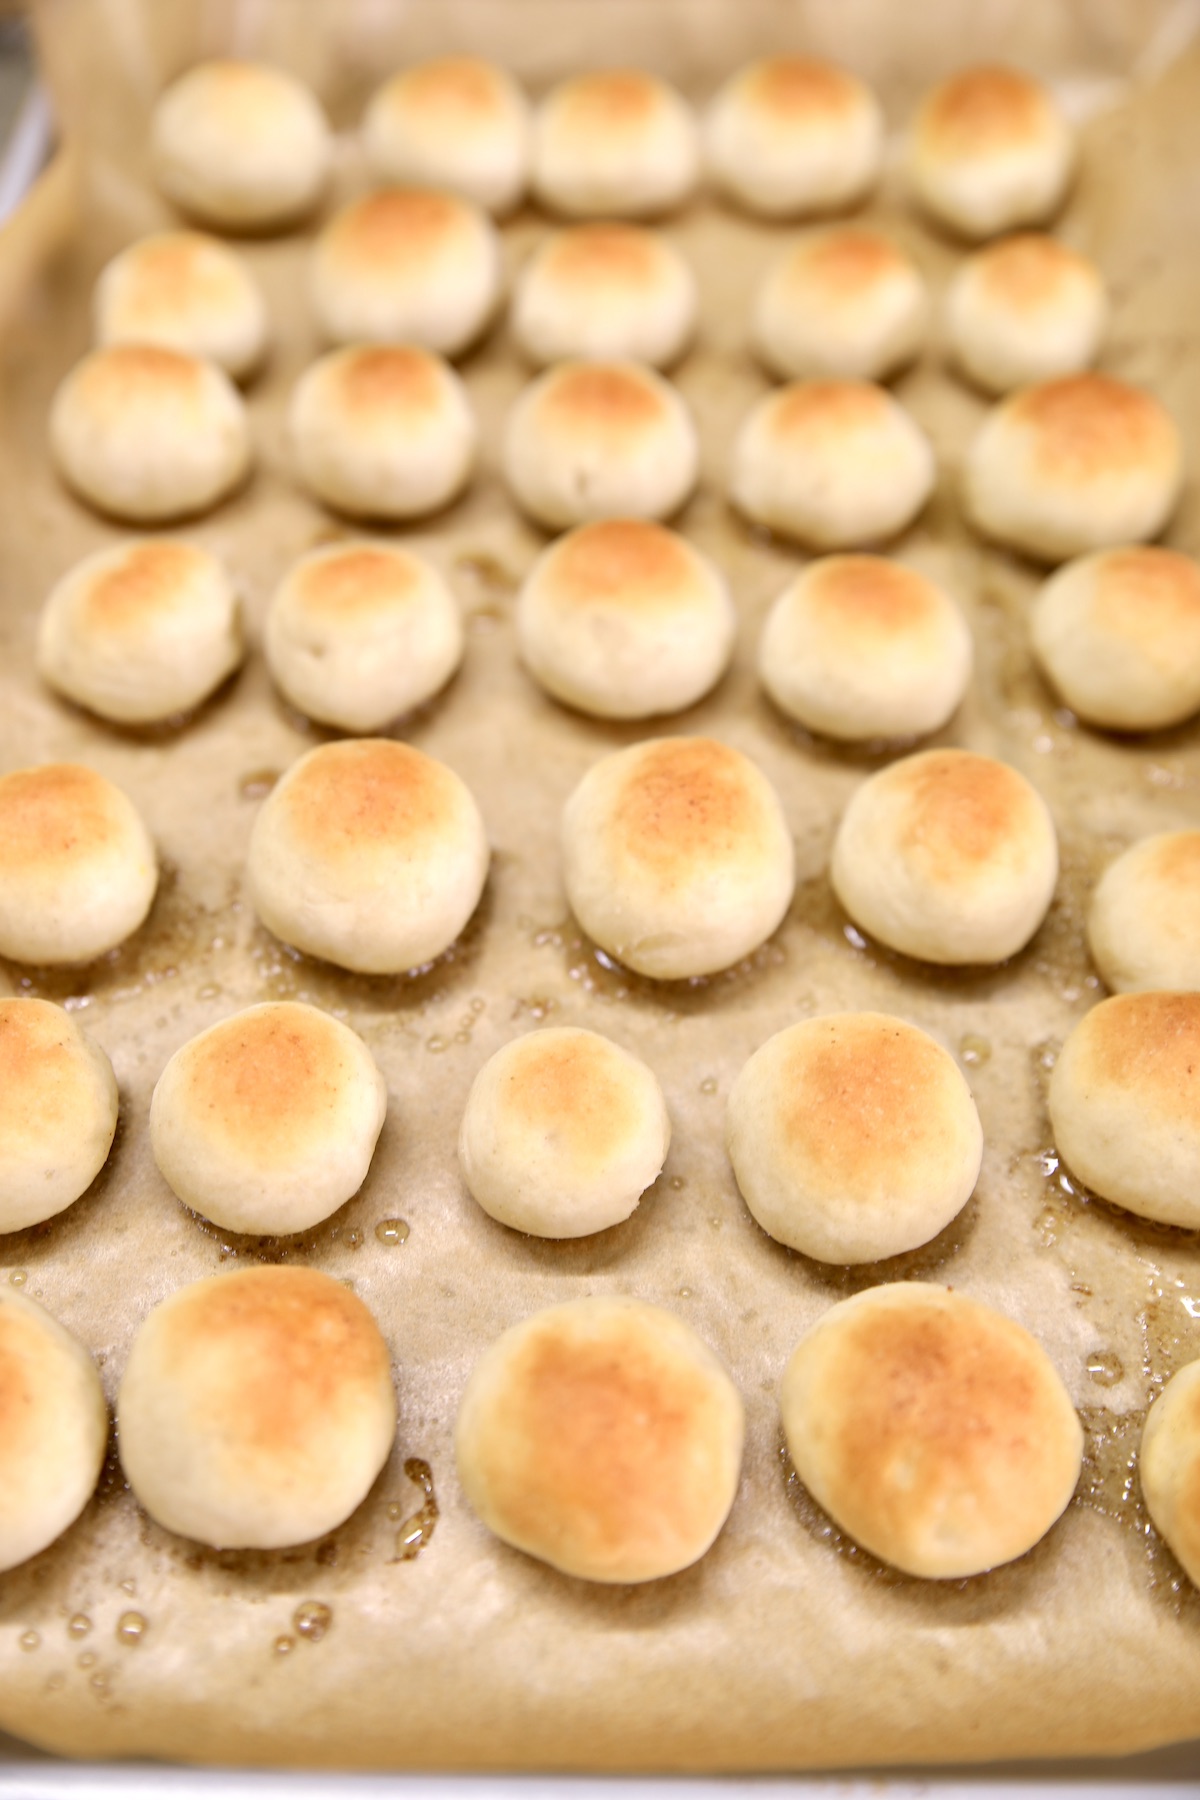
x=55, y=1429
x=677, y=857
x=615, y=141
x=147, y=434
x=406, y=265
x=853, y=1137
x=77, y=867
x=141, y=632
x=1025, y=310
x=842, y=302
x=564, y=1131
x=608, y=291
x=58, y=1112
x=357, y=634
x=832, y=463
x=604, y=1438
x=593, y=440
x=1169, y=1467
x=1073, y=465
x=1143, y=926
x=948, y=856
x=183, y=291
x=383, y=431
x=240, y=145
x=267, y=1122
x=256, y=1408
x=1125, y=1104
x=454, y=122
x=625, y=619
x=990, y=150
x=1118, y=634
x=791, y=135
x=369, y=854
x=859, y=647
x=932, y=1429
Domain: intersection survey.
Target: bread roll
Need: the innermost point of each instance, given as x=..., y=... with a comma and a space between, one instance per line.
x=58, y=1111
x=267, y=1122
x=608, y=291
x=593, y=440
x=77, y=868
x=990, y=150
x=358, y=634
x=240, y=145
x=853, y=1137
x=842, y=302
x=256, y=1408
x=602, y=1437
x=455, y=122
x=369, y=854
x=1169, y=1467
x=614, y=141
x=55, y=1428
x=141, y=632
x=1073, y=465
x=148, y=434
x=791, y=135
x=933, y=1430
x=1143, y=926
x=832, y=463
x=183, y=291
x=624, y=619
x=383, y=432
x=1125, y=1104
x=860, y=647
x=677, y=856
x=948, y=856
x=1026, y=309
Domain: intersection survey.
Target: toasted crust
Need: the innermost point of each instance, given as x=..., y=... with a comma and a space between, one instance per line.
x=58, y=1111
x=790, y=135
x=982, y=111
x=605, y=291
x=455, y=121
x=357, y=581
x=615, y=403
x=185, y=291
x=623, y=563
x=1031, y=271
x=1143, y=926
x=614, y=141
x=990, y=151
x=842, y=302
x=1027, y=309
x=1090, y=425
x=685, y=807
x=383, y=385
x=54, y=815
x=801, y=90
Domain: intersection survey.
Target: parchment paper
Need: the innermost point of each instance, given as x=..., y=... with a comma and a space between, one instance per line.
x=786, y=1646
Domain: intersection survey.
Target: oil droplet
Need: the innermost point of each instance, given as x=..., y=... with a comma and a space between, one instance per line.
x=129, y=1586
x=685, y=1293
x=312, y=1619
x=209, y=991
x=79, y=1625
x=354, y=1238
x=1105, y=1367
x=131, y=1627
x=478, y=1006
x=29, y=1640
x=284, y=1646
x=54, y=1681
x=257, y=783
x=19, y=1277
x=87, y=1659
x=709, y=1085
x=435, y=1044
x=392, y=1231
x=677, y=1182
x=974, y=1051
x=100, y=1683
x=418, y=1528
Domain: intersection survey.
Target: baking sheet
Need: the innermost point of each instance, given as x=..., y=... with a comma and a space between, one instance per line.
x=786, y=1647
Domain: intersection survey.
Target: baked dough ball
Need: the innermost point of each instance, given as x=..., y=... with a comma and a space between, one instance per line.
x=932, y=1429
x=791, y=135
x=1143, y=926
x=860, y=647
x=369, y=854
x=603, y=1437
x=853, y=1137
x=406, y=265
x=677, y=856
x=141, y=632
x=615, y=141
x=990, y=150
x=1125, y=1104
x=841, y=302
x=184, y=291
x=146, y=434
x=240, y=145
x=564, y=1131
x=605, y=291
x=383, y=431
x=1025, y=310
x=1118, y=634
x=455, y=122
x=77, y=868
x=948, y=856
x=1073, y=465
x=267, y=1122
x=1169, y=1466
x=590, y=440
x=256, y=1408
x=58, y=1111
x=624, y=619
x=358, y=634
x=55, y=1429
x=832, y=463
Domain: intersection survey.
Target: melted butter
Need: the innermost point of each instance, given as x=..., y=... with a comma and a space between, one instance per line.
x=312, y=1619
x=78, y=1625
x=392, y=1231
x=29, y=1640
x=256, y=784
x=417, y=1529
x=132, y=1627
